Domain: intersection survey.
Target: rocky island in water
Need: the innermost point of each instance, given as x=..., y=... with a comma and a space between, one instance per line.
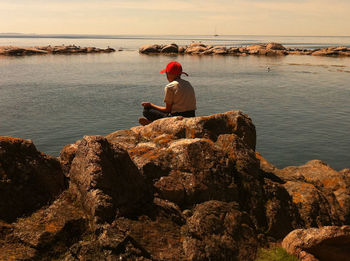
x=268, y=49
x=61, y=49
x=176, y=189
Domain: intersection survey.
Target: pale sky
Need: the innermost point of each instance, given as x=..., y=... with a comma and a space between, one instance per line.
x=234, y=17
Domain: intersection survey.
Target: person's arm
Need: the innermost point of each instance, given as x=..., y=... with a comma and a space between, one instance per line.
x=165, y=109
x=168, y=100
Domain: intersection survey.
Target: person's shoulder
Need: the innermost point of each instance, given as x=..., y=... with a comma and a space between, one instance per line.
x=172, y=84
x=183, y=81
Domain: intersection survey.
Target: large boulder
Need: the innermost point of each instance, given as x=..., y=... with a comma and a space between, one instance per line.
x=47, y=233
x=317, y=244
x=220, y=50
x=219, y=231
x=125, y=138
x=197, y=44
x=330, y=51
x=114, y=244
x=155, y=236
x=182, y=49
x=281, y=213
x=215, y=50
x=247, y=178
x=29, y=179
x=320, y=193
x=312, y=205
x=233, y=51
x=152, y=161
x=150, y=48
x=210, y=127
x=176, y=189
x=170, y=48
x=18, y=51
x=106, y=181
x=329, y=184
x=342, y=49
x=197, y=48
x=267, y=49
x=194, y=160
x=275, y=46
x=199, y=172
x=256, y=49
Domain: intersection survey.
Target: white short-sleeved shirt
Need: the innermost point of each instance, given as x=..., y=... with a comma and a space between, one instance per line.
x=180, y=94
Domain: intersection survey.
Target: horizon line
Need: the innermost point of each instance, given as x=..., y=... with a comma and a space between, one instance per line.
x=90, y=35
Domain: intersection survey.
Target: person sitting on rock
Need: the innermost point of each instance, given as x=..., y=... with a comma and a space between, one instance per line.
x=180, y=99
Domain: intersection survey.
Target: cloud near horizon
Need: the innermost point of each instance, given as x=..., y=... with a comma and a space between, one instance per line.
x=274, y=17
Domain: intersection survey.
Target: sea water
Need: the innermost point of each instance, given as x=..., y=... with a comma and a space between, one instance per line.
x=300, y=106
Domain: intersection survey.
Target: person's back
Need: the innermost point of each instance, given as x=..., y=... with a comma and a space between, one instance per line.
x=180, y=94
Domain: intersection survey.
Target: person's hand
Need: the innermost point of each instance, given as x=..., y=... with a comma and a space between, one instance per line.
x=146, y=104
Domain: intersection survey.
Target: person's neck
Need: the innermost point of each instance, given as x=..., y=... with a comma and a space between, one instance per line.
x=174, y=78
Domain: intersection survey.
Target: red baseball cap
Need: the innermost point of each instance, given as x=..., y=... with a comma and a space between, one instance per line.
x=173, y=68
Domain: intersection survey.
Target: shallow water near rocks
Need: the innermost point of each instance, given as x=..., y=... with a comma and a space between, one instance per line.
x=300, y=107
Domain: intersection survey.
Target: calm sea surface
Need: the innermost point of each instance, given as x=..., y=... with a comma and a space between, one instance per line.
x=301, y=108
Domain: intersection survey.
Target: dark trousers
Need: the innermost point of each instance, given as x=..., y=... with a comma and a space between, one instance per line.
x=153, y=114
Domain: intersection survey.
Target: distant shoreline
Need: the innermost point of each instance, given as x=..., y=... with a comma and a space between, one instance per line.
x=133, y=42
x=195, y=48
x=41, y=50
x=264, y=49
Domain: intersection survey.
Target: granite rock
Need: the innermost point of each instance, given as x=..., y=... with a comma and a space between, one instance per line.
x=106, y=181
x=29, y=179
x=266, y=49
x=329, y=243
x=176, y=189
x=69, y=49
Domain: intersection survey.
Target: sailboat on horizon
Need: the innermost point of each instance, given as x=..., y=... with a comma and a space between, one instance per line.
x=215, y=33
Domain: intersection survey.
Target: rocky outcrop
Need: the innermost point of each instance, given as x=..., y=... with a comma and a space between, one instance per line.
x=29, y=179
x=171, y=48
x=317, y=188
x=329, y=243
x=70, y=49
x=208, y=127
x=333, y=51
x=267, y=49
x=46, y=233
x=67, y=155
x=197, y=48
x=178, y=188
x=106, y=181
x=219, y=231
x=150, y=48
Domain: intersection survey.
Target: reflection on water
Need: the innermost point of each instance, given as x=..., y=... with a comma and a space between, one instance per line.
x=331, y=68
x=300, y=106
